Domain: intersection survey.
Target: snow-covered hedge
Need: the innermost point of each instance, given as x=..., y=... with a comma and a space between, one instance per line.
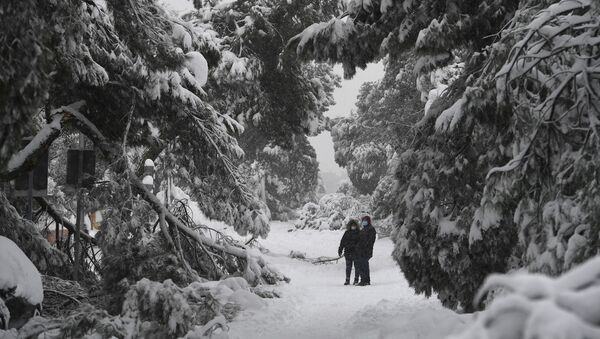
x=538, y=306
x=152, y=310
x=332, y=212
x=157, y=310
x=20, y=285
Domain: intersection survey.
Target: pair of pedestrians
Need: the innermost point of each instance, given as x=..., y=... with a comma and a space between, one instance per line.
x=357, y=247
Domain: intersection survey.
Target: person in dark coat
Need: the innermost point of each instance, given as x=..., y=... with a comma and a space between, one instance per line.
x=348, y=248
x=364, y=250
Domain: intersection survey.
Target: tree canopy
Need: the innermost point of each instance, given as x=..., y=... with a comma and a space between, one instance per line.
x=498, y=173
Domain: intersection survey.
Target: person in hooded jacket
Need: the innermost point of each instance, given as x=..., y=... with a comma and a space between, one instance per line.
x=364, y=250
x=348, y=248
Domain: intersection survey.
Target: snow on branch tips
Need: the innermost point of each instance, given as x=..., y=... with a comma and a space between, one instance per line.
x=538, y=306
x=550, y=57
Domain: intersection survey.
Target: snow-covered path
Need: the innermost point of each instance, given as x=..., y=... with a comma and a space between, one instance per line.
x=316, y=305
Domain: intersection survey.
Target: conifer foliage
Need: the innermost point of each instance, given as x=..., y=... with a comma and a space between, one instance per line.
x=274, y=99
x=132, y=79
x=502, y=168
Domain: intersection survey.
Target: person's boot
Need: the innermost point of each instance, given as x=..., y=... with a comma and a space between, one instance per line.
x=362, y=283
x=355, y=282
x=347, y=282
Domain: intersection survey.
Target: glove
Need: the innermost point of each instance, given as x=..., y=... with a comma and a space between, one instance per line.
x=339, y=253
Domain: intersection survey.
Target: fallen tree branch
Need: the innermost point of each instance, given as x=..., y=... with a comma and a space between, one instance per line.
x=174, y=221
x=324, y=260
x=59, y=219
x=256, y=269
x=111, y=152
x=63, y=295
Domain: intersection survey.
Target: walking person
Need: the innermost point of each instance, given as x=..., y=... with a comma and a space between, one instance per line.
x=348, y=248
x=364, y=250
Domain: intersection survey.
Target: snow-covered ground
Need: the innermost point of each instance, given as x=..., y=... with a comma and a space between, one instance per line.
x=316, y=304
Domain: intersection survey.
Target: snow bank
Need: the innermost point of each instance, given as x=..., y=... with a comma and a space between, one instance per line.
x=392, y=320
x=246, y=300
x=236, y=290
x=17, y=271
x=538, y=306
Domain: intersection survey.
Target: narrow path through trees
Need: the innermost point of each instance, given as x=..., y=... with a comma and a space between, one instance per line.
x=316, y=305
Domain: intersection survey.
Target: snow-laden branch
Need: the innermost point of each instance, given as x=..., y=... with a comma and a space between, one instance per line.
x=174, y=221
x=59, y=219
x=511, y=165
x=539, y=306
x=90, y=130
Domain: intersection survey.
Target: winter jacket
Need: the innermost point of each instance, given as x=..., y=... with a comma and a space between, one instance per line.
x=366, y=240
x=349, y=242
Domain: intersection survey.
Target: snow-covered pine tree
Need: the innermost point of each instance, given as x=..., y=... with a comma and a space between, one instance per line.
x=276, y=99
x=495, y=178
x=126, y=70
x=291, y=176
x=130, y=78
x=365, y=142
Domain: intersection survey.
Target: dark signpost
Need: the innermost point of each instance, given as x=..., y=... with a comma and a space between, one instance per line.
x=88, y=168
x=81, y=167
x=34, y=183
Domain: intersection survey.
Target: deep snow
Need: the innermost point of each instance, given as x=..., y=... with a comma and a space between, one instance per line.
x=316, y=305
x=18, y=272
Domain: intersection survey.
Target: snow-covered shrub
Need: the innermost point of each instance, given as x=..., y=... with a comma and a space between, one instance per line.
x=235, y=294
x=132, y=251
x=47, y=259
x=332, y=203
x=332, y=212
x=537, y=306
x=167, y=308
x=347, y=188
x=151, y=310
x=20, y=286
x=368, y=166
x=308, y=216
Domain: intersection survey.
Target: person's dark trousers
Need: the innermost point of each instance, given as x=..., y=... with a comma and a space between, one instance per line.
x=363, y=268
x=351, y=260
